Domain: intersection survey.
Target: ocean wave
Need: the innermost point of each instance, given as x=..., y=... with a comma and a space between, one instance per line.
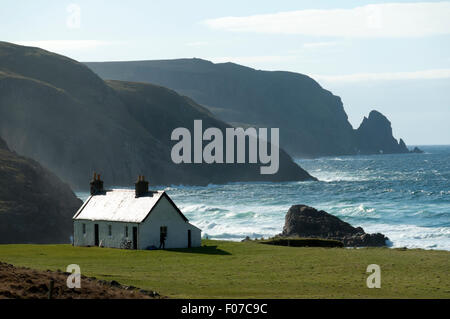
x=412, y=236
x=330, y=177
x=357, y=211
x=202, y=208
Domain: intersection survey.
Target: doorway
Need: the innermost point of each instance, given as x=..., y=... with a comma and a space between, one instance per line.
x=189, y=239
x=135, y=245
x=96, y=241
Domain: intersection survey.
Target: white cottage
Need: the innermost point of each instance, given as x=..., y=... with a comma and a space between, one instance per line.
x=133, y=219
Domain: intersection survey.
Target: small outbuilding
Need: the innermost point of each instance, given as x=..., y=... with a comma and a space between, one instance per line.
x=132, y=219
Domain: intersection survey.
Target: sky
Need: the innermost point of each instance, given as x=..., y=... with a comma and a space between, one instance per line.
x=390, y=56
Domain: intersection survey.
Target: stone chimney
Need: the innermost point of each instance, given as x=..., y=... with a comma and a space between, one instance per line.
x=96, y=185
x=141, y=186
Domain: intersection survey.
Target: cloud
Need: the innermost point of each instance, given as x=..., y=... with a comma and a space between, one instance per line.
x=65, y=45
x=386, y=76
x=313, y=45
x=373, y=20
x=197, y=43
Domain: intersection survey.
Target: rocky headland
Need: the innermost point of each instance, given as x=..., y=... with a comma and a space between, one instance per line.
x=313, y=120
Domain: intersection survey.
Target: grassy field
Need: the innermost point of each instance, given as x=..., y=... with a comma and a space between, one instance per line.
x=251, y=270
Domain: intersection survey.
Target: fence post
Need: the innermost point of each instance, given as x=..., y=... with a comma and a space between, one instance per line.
x=50, y=289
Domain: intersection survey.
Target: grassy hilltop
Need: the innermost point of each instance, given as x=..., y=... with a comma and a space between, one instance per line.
x=251, y=270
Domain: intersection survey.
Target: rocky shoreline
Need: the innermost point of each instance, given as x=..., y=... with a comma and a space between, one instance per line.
x=307, y=222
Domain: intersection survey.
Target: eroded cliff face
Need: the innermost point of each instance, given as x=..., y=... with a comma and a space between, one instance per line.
x=35, y=205
x=312, y=120
x=375, y=135
x=58, y=112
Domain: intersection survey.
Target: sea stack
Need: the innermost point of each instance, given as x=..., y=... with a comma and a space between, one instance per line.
x=374, y=135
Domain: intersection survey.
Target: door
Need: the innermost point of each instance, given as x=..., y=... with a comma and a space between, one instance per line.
x=135, y=245
x=189, y=239
x=96, y=241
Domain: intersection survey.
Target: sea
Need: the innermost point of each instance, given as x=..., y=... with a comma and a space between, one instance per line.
x=404, y=196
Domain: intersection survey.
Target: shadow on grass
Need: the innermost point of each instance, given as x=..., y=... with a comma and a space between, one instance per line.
x=207, y=250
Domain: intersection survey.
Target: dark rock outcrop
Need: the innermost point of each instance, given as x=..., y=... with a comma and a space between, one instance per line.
x=35, y=205
x=375, y=135
x=308, y=222
x=313, y=120
x=417, y=150
x=60, y=113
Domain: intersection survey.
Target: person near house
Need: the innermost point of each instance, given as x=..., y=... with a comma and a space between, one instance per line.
x=162, y=240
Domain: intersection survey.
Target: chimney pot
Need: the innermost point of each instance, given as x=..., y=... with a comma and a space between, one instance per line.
x=141, y=186
x=96, y=185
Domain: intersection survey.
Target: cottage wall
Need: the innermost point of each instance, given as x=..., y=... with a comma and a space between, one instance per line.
x=164, y=214
x=113, y=241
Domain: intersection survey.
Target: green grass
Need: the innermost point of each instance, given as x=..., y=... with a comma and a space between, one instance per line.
x=301, y=242
x=252, y=270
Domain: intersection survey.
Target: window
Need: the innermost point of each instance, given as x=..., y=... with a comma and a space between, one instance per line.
x=109, y=230
x=84, y=229
x=163, y=230
x=126, y=231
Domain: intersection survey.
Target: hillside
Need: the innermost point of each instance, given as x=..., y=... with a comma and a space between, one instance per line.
x=35, y=206
x=312, y=120
x=58, y=112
